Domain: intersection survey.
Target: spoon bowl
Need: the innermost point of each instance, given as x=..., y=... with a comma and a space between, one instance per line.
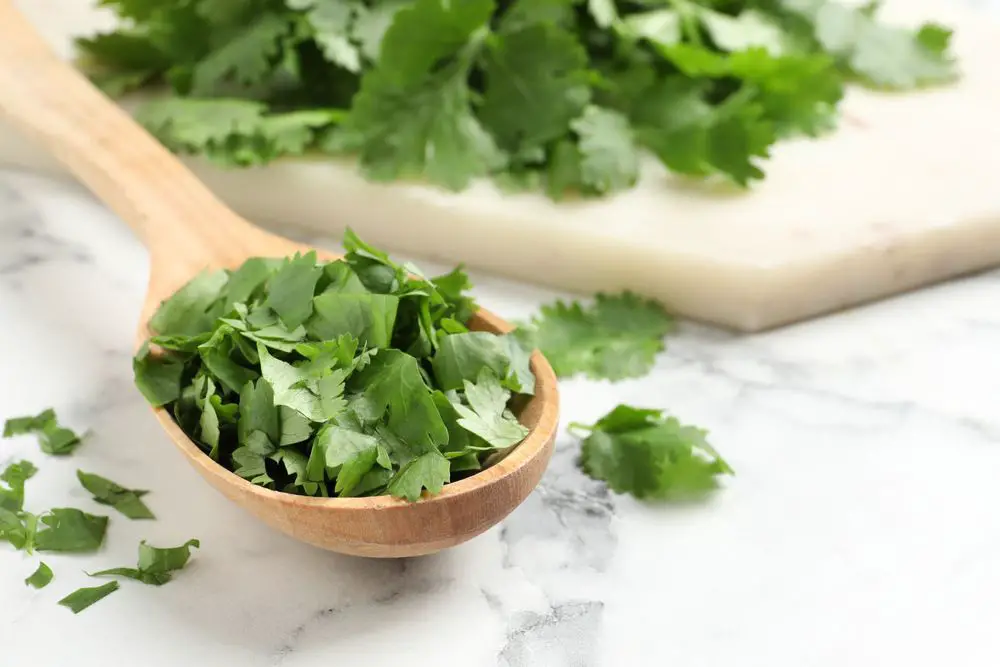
x=186, y=230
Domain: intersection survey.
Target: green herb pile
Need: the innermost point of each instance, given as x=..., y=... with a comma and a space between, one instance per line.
x=68, y=530
x=557, y=94
x=348, y=378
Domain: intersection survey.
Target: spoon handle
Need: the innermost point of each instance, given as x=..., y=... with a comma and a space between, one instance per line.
x=180, y=221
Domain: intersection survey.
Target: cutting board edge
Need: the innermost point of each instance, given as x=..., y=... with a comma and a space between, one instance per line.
x=764, y=297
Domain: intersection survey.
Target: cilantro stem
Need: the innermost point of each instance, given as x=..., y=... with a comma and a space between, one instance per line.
x=689, y=21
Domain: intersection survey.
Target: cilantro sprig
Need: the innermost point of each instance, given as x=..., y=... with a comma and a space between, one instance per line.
x=650, y=455
x=356, y=377
x=560, y=94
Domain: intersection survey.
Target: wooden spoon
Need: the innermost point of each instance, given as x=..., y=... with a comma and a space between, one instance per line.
x=187, y=229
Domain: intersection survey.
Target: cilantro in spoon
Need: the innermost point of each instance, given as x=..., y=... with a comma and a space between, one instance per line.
x=346, y=378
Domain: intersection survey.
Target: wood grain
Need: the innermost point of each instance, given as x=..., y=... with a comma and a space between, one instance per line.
x=187, y=229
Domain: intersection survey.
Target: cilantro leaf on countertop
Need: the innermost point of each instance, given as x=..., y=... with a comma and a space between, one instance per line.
x=82, y=598
x=557, y=94
x=16, y=525
x=14, y=476
x=40, y=578
x=127, y=501
x=53, y=438
x=329, y=378
x=156, y=565
x=650, y=455
x=70, y=530
x=615, y=338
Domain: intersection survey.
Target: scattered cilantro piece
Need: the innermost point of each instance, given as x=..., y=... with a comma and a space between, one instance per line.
x=14, y=476
x=71, y=530
x=329, y=378
x=40, y=578
x=53, y=438
x=127, y=501
x=527, y=91
x=615, y=338
x=80, y=599
x=649, y=455
x=156, y=565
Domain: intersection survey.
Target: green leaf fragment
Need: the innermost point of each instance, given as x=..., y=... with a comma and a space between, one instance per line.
x=615, y=338
x=80, y=599
x=70, y=530
x=158, y=378
x=187, y=311
x=40, y=578
x=52, y=438
x=126, y=501
x=651, y=456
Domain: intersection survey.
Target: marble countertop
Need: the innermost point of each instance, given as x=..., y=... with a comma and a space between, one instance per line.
x=859, y=530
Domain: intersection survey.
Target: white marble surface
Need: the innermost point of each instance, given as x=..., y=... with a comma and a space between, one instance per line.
x=860, y=528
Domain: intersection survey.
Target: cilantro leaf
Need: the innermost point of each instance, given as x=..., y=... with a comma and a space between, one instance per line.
x=291, y=289
x=29, y=424
x=536, y=83
x=332, y=28
x=127, y=501
x=68, y=529
x=651, y=456
x=82, y=598
x=487, y=415
x=156, y=565
x=157, y=377
x=409, y=119
x=233, y=132
x=615, y=338
x=53, y=438
x=462, y=356
x=315, y=393
x=429, y=471
x=427, y=129
x=609, y=157
x=371, y=23
x=258, y=427
x=886, y=56
x=15, y=475
x=245, y=59
x=393, y=383
x=18, y=528
x=40, y=578
x=186, y=312
x=368, y=317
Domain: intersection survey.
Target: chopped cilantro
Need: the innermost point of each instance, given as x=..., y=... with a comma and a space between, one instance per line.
x=562, y=94
x=71, y=530
x=40, y=578
x=80, y=599
x=649, y=455
x=156, y=565
x=127, y=501
x=53, y=438
x=329, y=378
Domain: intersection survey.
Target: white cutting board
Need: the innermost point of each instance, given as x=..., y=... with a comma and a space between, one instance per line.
x=907, y=192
